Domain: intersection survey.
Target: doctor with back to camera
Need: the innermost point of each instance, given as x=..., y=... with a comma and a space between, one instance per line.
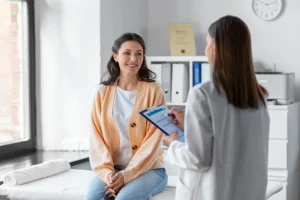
x=226, y=124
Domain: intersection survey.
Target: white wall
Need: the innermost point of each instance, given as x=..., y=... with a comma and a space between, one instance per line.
x=69, y=47
x=118, y=17
x=273, y=42
x=67, y=70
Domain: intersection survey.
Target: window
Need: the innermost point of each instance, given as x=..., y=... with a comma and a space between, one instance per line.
x=17, y=77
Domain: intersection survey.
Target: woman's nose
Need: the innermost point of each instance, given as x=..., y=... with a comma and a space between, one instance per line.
x=133, y=58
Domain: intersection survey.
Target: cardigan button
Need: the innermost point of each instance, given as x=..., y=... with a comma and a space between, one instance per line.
x=133, y=147
x=133, y=124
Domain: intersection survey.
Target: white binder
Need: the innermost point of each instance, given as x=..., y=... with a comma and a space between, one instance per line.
x=166, y=80
x=156, y=68
x=180, y=83
x=163, y=77
x=205, y=72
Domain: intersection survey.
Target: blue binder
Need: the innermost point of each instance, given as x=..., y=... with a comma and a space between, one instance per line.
x=196, y=73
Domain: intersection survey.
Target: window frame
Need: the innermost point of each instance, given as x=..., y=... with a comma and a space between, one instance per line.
x=19, y=148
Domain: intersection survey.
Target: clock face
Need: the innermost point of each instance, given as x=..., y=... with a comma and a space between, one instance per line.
x=267, y=9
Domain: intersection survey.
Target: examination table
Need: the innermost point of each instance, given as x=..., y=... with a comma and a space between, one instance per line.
x=71, y=184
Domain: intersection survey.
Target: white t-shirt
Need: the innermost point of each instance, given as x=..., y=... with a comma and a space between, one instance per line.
x=123, y=106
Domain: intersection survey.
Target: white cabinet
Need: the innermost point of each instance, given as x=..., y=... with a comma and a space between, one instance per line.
x=279, y=122
x=284, y=149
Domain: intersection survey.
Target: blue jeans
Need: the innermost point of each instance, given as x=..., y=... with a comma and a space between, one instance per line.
x=141, y=188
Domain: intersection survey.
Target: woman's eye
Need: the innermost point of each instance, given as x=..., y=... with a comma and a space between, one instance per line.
x=126, y=53
x=139, y=54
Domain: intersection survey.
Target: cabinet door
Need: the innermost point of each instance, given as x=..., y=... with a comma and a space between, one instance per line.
x=278, y=124
x=277, y=154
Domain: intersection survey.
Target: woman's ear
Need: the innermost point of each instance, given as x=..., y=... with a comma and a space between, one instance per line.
x=115, y=56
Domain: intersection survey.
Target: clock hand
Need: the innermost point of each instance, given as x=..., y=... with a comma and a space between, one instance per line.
x=263, y=2
x=271, y=2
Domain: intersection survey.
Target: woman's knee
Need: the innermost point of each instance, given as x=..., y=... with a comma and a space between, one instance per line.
x=96, y=189
x=144, y=186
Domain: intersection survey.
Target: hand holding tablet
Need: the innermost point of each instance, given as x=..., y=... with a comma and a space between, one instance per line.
x=158, y=116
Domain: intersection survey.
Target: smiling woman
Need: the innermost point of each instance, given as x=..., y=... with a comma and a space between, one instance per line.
x=17, y=114
x=123, y=57
x=125, y=149
x=129, y=57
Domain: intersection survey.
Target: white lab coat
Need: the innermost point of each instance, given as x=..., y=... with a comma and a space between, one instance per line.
x=225, y=156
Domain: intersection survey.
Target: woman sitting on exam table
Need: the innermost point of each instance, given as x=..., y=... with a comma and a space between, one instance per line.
x=226, y=124
x=125, y=149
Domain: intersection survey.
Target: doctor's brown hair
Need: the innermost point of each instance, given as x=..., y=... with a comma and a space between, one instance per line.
x=233, y=69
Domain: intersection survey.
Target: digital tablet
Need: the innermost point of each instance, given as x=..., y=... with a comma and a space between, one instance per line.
x=158, y=116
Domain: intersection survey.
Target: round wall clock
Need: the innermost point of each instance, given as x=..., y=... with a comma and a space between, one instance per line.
x=267, y=9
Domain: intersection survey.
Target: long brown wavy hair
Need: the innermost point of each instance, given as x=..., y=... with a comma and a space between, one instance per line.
x=113, y=68
x=233, y=69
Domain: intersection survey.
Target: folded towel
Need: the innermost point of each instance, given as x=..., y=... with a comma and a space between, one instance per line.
x=35, y=172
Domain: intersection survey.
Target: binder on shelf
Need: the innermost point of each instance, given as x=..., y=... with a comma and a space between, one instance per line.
x=196, y=73
x=166, y=81
x=205, y=72
x=180, y=83
x=156, y=68
x=163, y=70
x=176, y=84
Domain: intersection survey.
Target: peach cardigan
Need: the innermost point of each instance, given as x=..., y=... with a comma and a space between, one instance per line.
x=145, y=139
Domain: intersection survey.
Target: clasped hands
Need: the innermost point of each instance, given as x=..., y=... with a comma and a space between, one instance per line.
x=178, y=119
x=114, y=182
